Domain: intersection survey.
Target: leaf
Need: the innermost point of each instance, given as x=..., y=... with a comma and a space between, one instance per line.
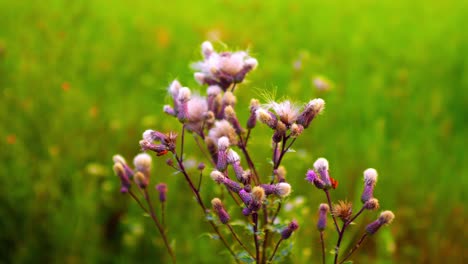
x=244, y=257
x=291, y=150
x=348, y=262
x=209, y=235
x=237, y=223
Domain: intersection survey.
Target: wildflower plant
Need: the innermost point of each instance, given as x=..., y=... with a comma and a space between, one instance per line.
x=219, y=134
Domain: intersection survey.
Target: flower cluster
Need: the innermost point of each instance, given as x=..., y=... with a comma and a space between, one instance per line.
x=343, y=210
x=220, y=134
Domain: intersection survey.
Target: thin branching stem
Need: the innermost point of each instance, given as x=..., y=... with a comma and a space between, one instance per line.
x=338, y=243
x=323, y=246
x=255, y=227
x=330, y=205
x=276, y=249
x=240, y=241
x=358, y=213
x=137, y=200
x=163, y=214
x=358, y=244
x=159, y=226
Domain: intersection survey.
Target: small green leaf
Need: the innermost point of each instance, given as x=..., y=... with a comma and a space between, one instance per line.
x=291, y=150
x=348, y=262
x=244, y=257
x=209, y=235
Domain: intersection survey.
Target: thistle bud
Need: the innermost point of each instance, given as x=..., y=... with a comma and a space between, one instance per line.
x=229, y=99
x=386, y=217
x=230, y=115
x=258, y=196
x=124, y=180
x=201, y=166
x=169, y=110
x=296, y=130
x=162, y=189
x=252, y=63
x=372, y=204
x=312, y=177
x=141, y=180
x=142, y=163
x=212, y=149
x=268, y=188
x=322, y=221
x=282, y=189
x=245, y=196
x=219, y=209
x=287, y=232
x=246, y=211
x=266, y=117
x=370, y=179
x=280, y=173
x=312, y=109
x=217, y=176
x=223, y=144
x=252, y=121
x=321, y=165
x=183, y=98
x=343, y=210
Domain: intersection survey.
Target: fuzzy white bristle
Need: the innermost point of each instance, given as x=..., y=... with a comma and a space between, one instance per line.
x=251, y=62
x=232, y=156
x=207, y=48
x=213, y=90
x=370, y=176
x=142, y=162
x=119, y=159
x=199, y=77
x=317, y=105
x=174, y=88
x=217, y=176
x=386, y=217
x=321, y=164
x=147, y=135
x=283, y=189
x=223, y=143
x=184, y=94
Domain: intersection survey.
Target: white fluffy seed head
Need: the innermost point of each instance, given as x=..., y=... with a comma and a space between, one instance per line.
x=232, y=63
x=283, y=189
x=223, y=143
x=147, y=135
x=232, y=156
x=119, y=159
x=321, y=164
x=370, y=176
x=142, y=162
x=217, y=176
x=184, y=94
x=386, y=217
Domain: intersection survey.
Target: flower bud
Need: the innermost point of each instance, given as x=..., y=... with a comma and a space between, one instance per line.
x=312, y=109
x=321, y=165
x=245, y=196
x=372, y=204
x=282, y=189
x=217, y=176
x=124, y=180
x=312, y=177
x=322, y=221
x=162, y=189
x=207, y=49
x=386, y=217
x=296, y=130
x=201, y=166
x=287, y=232
x=266, y=117
x=142, y=163
x=280, y=173
x=219, y=209
x=141, y=180
x=370, y=179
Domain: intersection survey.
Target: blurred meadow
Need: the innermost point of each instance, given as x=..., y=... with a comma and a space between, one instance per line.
x=81, y=80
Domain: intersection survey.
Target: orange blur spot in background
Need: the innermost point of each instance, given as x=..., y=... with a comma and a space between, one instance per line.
x=11, y=139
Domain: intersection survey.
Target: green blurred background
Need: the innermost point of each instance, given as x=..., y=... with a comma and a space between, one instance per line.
x=81, y=80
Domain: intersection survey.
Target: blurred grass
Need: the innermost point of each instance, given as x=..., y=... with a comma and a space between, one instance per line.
x=80, y=81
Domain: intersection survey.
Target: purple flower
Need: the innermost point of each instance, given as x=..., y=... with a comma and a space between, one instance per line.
x=322, y=221
x=386, y=217
x=219, y=209
x=287, y=232
x=162, y=189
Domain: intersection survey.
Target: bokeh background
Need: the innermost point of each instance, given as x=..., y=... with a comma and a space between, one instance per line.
x=81, y=80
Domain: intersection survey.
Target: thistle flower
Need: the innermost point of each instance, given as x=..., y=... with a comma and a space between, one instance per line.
x=322, y=221
x=286, y=111
x=121, y=160
x=343, y=210
x=245, y=196
x=283, y=189
x=183, y=98
x=321, y=165
x=296, y=130
x=231, y=116
x=386, y=217
x=201, y=166
x=223, y=128
x=219, y=209
x=258, y=196
x=162, y=189
x=370, y=179
x=214, y=98
x=312, y=177
x=223, y=69
x=311, y=110
x=287, y=232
